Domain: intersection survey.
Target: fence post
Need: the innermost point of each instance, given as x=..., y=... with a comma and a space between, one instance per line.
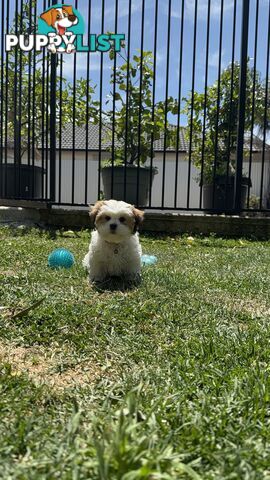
x=241, y=107
x=53, y=122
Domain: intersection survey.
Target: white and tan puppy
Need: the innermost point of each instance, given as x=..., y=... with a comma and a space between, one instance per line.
x=115, y=249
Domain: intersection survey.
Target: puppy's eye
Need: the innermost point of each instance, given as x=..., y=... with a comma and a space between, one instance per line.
x=107, y=218
x=58, y=17
x=65, y=14
x=122, y=219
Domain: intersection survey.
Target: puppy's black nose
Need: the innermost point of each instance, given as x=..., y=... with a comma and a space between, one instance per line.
x=113, y=226
x=72, y=18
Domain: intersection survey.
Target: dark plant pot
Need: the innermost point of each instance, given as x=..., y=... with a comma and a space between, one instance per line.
x=115, y=178
x=24, y=181
x=220, y=197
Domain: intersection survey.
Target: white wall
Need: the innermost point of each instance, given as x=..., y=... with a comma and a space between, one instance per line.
x=169, y=179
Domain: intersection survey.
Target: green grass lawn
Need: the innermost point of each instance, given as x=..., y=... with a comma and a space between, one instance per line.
x=168, y=380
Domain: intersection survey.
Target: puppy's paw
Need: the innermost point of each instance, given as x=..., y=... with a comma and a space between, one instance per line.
x=86, y=261
x=52, y=48
x=70, y=48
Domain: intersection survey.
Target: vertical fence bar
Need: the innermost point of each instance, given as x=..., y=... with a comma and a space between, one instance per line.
x=20, y=106
x=140, y=103
x=42, y=116
x=114, y=91
x=218, y=107
x=127, y=98
x=53, y=122
x=6, y=99
x=14, y=113
x=47, y=121
x=266, y=100
x=74, y=124
x=60, y=111
x=231, y=100
x=60, y=131
x=166, y=103
x=253, y=97
x=29, y=91
x=34, y=30
x=87, y=107
x=192, y=99
x=241, y=107
x=205, y=98
x=2, y=97
x=100, y=103
x=179, y=101
x=153, y=101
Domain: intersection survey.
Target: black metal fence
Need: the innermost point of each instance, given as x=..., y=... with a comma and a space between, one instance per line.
x=177, y=119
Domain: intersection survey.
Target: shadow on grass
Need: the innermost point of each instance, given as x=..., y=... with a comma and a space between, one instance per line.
x=114, y=284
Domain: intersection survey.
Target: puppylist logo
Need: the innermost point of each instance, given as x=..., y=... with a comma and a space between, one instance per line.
x=61, y=30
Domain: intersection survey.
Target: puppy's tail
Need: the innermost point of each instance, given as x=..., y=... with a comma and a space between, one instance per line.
x=86, y=261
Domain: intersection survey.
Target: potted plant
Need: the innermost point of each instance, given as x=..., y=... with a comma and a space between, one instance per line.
x=130, y=127
x=214, y=116
x=24, y=94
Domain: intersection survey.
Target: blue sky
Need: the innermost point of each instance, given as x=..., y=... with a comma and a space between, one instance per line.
x=162, y=32
x=162, y=49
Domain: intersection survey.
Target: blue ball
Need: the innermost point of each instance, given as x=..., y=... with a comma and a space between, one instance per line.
x=61, y=258
x=148, y=259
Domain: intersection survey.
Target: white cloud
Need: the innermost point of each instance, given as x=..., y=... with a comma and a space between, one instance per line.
x=160, y=57
x=214, y=59
x=215, y=6
x=81, y=63
x=109, y=11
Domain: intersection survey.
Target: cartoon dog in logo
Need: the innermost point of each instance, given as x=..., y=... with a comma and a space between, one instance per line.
x=60, y=19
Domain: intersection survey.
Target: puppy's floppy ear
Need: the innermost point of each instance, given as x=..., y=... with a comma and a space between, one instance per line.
x=94, y=209
x=47, y=17
x=138, y=215
x=68, y=9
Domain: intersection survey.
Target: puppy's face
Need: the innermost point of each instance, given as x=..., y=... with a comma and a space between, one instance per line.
x=115, y=221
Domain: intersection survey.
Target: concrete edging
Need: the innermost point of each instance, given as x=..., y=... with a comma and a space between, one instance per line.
x=173, y=223
x=159, y=222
